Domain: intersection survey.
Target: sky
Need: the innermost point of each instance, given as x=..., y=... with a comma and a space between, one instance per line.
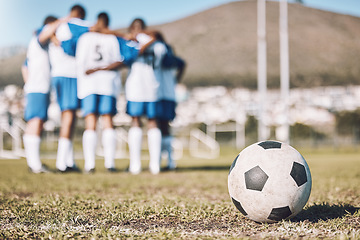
x=19, y=18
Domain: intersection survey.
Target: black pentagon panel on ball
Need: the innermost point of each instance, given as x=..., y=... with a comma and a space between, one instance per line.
x=239, y=207
x=233, y=164
x=298, y=173
x=279, y=213
x=270, y=144
x=255, y=179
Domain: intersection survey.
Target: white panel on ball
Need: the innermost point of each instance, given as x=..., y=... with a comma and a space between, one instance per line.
x=269, y=181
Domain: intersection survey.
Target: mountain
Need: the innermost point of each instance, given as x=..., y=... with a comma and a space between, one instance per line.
x=220, y=47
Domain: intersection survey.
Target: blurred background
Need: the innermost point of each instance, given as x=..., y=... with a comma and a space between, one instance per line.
x=218, y=102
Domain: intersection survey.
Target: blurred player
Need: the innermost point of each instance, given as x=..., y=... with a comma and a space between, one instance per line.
x=141, y=93
x=63, y=71
x=169, y=74
x=36, y=74
x=98, y=91
x=129, y=51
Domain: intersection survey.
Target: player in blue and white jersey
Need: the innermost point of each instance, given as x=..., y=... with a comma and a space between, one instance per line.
x=98, y=91
x=132, y=53
x=63, y=72
x=141, y=94
x=169, y=73
x=36, y=74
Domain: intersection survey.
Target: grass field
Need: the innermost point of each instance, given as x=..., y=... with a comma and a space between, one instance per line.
x=191, y=203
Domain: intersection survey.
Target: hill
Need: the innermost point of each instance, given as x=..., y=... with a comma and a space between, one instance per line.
x=10, y=70
x=220, y=46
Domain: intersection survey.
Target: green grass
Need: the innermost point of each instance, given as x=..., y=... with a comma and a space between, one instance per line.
x=188, y=204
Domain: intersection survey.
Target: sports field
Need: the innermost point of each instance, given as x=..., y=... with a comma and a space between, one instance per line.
x=191, y=203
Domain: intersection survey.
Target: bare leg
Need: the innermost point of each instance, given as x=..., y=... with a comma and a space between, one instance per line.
x=34, y=127
x=68, y=119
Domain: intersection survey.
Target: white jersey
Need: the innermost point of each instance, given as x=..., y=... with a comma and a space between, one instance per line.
x=69, y=29
x=142, y=84
x=97, y=50
x=38, y=68
x=62, y=64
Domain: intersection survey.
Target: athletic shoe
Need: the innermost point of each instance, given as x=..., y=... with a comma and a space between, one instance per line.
x=73, y=169
x=91, y=171
x=43, y=169
x=167, y=169
x=112, y=170
x=154, y=168
x=127, y=170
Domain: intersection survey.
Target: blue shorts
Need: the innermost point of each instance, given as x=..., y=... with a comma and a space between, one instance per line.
x=99, y=105
x=138, y=109
x=36, y=106
x=66, y=93
x=166, y=110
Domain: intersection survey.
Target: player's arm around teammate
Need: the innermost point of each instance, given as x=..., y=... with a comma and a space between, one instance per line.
x=141, y=95
x=36, y=74
x=64, y=79
x=98, y=88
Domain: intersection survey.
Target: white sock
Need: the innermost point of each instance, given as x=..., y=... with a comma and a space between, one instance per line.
x=89, y=148
x=32, y=151
x=135, y=141
x=64, y=147
x=154, y=142
x=109, y=145
x=70, y=158
x=166, y=146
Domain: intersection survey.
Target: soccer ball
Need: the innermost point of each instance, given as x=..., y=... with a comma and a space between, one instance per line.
x=269, y=181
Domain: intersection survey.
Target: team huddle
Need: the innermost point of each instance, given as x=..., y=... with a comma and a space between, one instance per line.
x=81, y=62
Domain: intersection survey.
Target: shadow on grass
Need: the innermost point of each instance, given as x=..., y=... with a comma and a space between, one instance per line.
x=324, y=211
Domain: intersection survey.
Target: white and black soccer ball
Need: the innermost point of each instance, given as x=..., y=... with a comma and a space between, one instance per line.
x=269, y=181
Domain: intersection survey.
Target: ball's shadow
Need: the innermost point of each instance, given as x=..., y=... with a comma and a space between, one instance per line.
x=324, y=211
